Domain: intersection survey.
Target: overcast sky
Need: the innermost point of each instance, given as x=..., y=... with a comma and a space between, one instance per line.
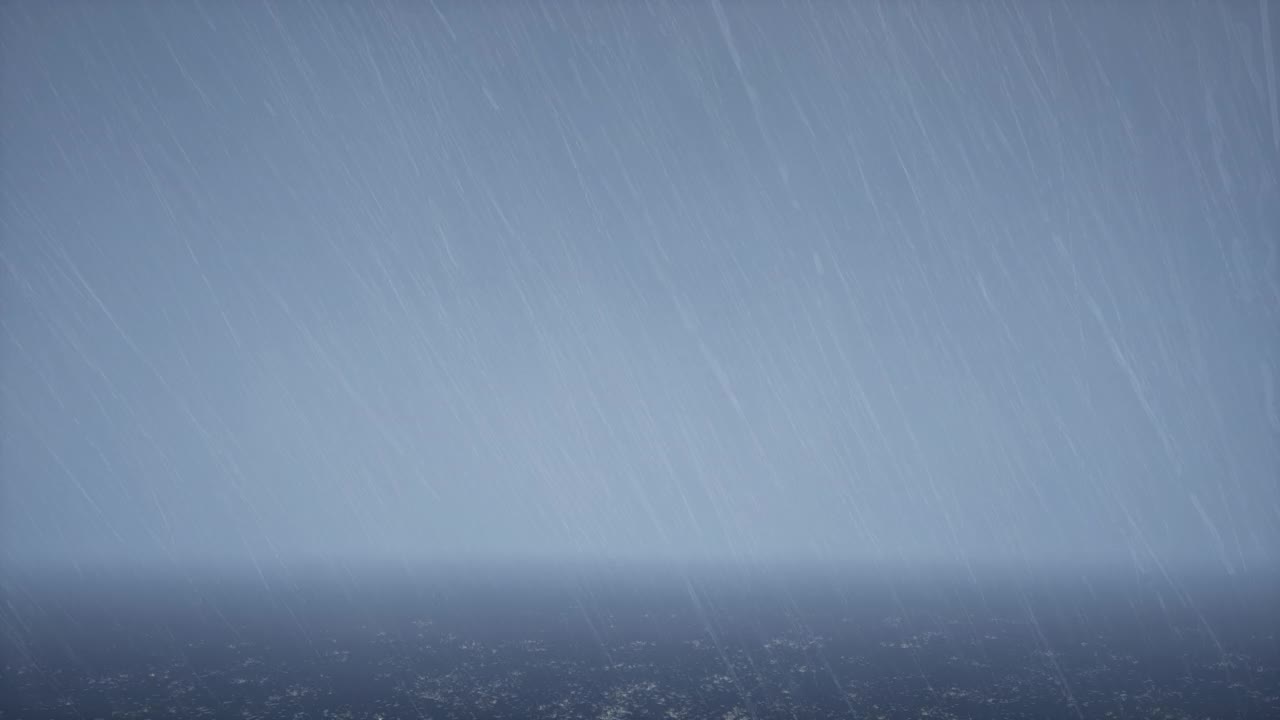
x=960, y=280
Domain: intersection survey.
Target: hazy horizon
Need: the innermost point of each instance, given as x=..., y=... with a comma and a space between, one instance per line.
x=957, y=282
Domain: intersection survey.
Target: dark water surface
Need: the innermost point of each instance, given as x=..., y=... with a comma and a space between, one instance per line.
x=635, y=641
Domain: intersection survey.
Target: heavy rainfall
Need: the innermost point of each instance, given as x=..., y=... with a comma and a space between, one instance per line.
x=639, y=359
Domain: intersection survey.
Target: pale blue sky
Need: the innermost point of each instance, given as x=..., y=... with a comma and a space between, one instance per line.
x=959, y=280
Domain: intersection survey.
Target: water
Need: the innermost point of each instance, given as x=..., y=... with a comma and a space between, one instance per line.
x=628, y=640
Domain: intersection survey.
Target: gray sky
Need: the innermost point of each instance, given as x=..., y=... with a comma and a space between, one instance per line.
x=959, y=280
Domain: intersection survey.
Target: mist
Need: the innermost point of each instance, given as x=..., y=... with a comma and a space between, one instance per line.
x=889, y=283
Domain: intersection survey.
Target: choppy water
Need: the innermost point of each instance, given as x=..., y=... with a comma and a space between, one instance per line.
x=642, y=642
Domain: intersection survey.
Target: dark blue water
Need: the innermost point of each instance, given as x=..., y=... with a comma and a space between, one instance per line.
x=639, y=641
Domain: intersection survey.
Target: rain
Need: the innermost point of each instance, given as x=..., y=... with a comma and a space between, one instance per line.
x=605, y=359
